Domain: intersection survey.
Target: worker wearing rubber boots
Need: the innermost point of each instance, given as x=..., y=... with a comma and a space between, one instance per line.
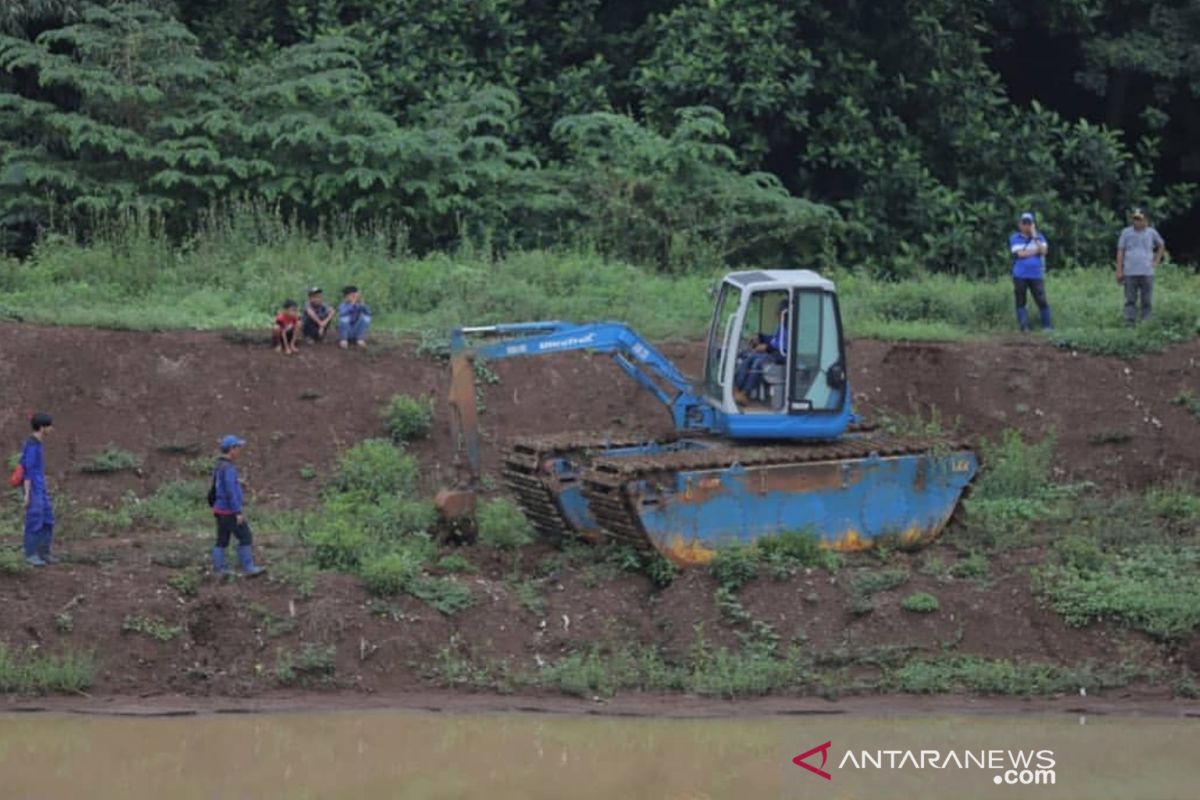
x=39, y=512
x=226, y=499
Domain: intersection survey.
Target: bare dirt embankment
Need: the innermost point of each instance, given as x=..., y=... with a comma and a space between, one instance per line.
x=152, y=392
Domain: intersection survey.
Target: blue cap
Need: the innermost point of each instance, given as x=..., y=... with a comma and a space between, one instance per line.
x=229, y=441
x=1027, y=216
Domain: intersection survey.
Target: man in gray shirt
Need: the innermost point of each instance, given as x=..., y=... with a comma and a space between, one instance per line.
x=1139, y=251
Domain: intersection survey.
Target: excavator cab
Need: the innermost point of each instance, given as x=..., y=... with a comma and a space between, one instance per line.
x=775, y=360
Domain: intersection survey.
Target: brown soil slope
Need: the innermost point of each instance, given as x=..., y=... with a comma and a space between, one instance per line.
x=143, y=392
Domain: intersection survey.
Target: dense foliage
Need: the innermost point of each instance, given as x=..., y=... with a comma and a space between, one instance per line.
x=677, y=134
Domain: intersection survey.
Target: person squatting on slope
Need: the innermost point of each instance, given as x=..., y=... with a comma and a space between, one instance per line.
x=317, y=315
x=226, y=499
x=1139, y=252
x=39, y=511
x=354, y=318
x=285, y=334
x=766, y=350
x=1028, y=249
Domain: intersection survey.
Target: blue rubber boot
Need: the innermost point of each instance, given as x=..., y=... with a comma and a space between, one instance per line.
x=1023, y=319
x=246, y=557
x=220, y=569
x=1046, y=324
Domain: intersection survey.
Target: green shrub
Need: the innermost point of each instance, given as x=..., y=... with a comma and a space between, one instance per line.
x=1014, y=469
x=186, y=583
x=920, y=603
x=152, y=626
x=996, y=676
x=734, y=565
x=377, y=468
x=801, y=548
x=1154, y=588
x=35, y=672
x=502, y=525
x=444, y=595
x=1175, y=502
x=111, y=459
x=12, y=562
x=394, y=572
x=455, y=562
x=868, y=582
x=311, y=664
x=407, y=418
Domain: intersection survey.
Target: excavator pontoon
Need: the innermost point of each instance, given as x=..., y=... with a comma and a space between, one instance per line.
x=765, y=442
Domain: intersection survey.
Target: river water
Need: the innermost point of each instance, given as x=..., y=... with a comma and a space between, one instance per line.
x=403, y=754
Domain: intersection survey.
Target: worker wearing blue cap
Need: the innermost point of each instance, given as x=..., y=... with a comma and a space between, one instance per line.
x=225, y=496
x=1028, y=249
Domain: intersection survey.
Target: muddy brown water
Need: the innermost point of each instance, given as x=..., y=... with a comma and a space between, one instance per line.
x=405, y=754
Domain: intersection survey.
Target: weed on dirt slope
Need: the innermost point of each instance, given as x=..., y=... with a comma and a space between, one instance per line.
x=1069, y=568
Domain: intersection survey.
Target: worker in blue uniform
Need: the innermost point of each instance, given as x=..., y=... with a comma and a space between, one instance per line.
x=226, y=499
x=39, y=511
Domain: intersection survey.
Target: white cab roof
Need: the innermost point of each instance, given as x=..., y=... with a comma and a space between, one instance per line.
x=774, y=279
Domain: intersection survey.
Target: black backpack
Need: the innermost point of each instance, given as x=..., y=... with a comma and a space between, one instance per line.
x=212, y=489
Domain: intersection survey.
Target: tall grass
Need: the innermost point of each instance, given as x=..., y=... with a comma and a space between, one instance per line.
x=244, y=260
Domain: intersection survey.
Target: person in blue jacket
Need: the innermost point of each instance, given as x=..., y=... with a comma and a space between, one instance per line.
x=354, y=319
x=228, y=510
x=766, y=350
x=39, y=511
x=1028, y=249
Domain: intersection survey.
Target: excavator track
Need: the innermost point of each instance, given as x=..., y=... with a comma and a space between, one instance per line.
x=607, y=482
x=528, y=473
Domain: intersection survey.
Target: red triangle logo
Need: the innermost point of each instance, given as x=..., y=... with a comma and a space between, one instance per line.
x=823, y=749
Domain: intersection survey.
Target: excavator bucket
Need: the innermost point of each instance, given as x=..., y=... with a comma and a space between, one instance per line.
x=688, y=498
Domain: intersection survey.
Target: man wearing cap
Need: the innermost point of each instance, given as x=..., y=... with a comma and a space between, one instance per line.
x=226, y=499
x=1028, y=249
x=1139, y=252
x=317, y=315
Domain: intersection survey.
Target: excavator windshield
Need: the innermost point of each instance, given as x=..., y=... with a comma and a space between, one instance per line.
x=720, y=332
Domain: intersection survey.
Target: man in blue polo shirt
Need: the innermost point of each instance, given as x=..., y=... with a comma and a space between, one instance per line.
x=1028, y=249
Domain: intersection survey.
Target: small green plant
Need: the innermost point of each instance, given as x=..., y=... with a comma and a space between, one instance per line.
x=271, y=624
x=187, y=583
x=297, y=574
x=502, y=525
x=454, y=562
x=529, y=593
x=111, y=459
x=154, y=627
x=394, y=572
x=377, y=468
x=312, y=664
x=972, y=565
x=1189, y=400
x=12, y=562
x=734, y=565
x=34, y=672
x=407, y=418
x=64, y=622
x=868, y=582
x=998, y=676
x=442, y=594
x=920, y=603
x=797, y=549
x=307, y=472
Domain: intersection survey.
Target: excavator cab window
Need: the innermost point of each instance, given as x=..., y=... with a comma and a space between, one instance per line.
x=818, y=366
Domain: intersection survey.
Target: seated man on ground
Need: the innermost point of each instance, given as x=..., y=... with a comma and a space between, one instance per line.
x=354, y=318
x=287, y=329
x=766, y=350
x=317, y=315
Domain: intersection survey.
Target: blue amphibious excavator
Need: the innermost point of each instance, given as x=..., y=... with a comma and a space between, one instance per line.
x=765, y=443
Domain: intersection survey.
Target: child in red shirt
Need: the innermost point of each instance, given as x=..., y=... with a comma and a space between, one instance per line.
x=286, y=332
